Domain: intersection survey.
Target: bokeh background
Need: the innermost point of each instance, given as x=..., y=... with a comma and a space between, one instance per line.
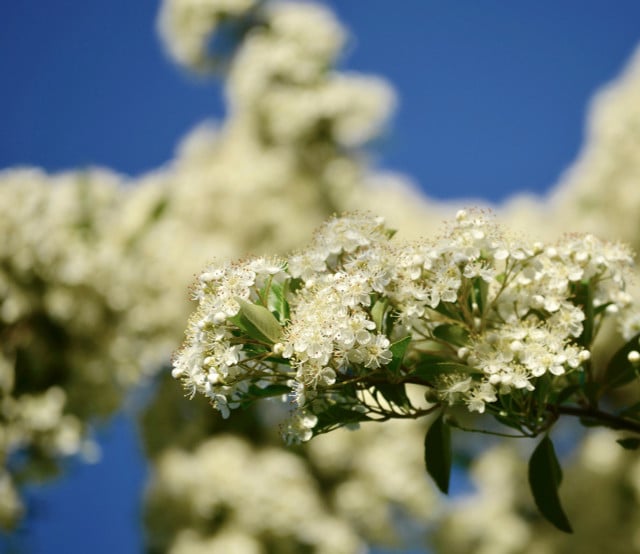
x=492, y=99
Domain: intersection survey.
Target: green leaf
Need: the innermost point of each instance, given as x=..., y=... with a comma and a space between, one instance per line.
x=629, y=443
x=378, y=312
x=270, y=390
x=452, y=334
x=426, y=360
x=545, y=476
x=583, y=298
x=633, y=410
x=278, y=301
x=256, y=349
x=258, y=322
x=437, y=453
x=394, y=394
x=620, y=370
x=430, y=370
x=447, y=309
x=591, y=422
x=159, y=209
x=601, y=308
x=480, y=291
x=508, y=421
x=566, y=393
x=591, y=391
x=338, y=415
x=398, y=349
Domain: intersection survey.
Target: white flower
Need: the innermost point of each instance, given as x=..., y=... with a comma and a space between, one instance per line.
x=299, y=427
x=478, y=396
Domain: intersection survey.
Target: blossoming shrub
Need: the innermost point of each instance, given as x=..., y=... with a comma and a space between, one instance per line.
x=69, y=343
x=478, y=318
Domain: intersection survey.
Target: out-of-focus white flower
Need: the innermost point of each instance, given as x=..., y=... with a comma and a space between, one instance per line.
x=187, y=26
x=11, y=507
x=297, y=45
x=258, y=496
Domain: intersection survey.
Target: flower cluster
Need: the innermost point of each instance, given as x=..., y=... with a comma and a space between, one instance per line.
x=477, y=317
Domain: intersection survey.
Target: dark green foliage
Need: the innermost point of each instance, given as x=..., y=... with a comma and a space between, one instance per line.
x=620, y=371
x=545, y=476
x=398, y=350
x=437, y=453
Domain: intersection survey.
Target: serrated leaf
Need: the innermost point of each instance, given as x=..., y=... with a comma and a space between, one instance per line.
x=620, y=370
x=437, y=453
x=452, y=334
x=398, y=349
x=262, y=324
x=629, y=443
x=545, y=476
x=378, y=312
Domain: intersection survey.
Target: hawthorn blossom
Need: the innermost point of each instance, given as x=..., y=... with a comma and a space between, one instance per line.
x=475, y=316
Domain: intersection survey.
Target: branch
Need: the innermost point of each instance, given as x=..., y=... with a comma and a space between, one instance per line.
x=604, y=418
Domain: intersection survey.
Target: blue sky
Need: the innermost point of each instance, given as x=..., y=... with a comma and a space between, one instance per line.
x=492, y=94
x=492, y=101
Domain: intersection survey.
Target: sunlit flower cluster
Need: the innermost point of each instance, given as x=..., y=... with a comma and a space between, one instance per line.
x=490, y=313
